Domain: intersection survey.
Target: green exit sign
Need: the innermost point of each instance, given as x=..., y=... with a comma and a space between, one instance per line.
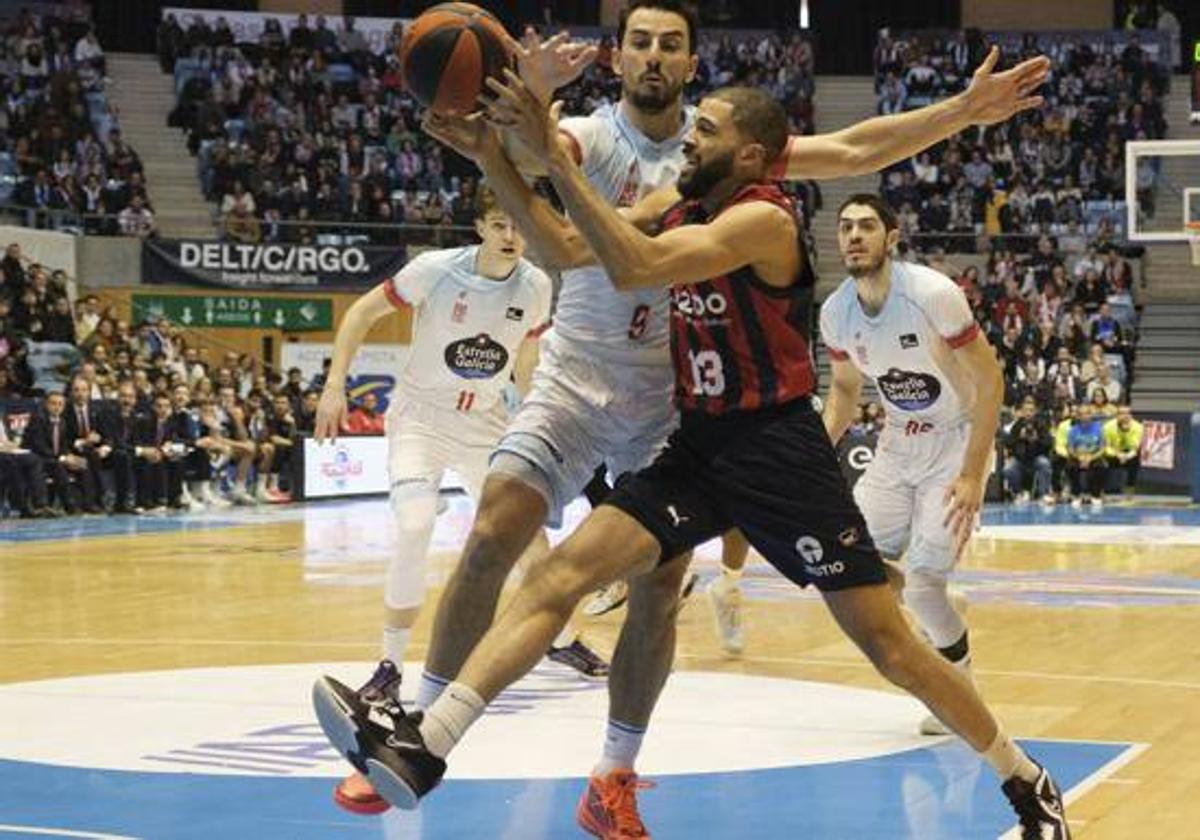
x=237, y=311
x=1196, y=52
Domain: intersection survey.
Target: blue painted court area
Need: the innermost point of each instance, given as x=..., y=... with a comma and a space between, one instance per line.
x=936, y=793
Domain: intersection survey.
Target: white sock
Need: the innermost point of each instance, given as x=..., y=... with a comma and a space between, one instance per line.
x=565, y=638
x=1009, y=760
x=429, y=689
x=395, y=643
x=622, y=743
x=449, y=717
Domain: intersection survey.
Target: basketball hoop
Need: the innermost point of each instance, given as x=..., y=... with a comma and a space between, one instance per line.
x=1193, y=232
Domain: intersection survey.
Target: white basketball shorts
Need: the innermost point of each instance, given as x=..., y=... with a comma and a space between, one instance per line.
x=582, y=412
x=901, y=494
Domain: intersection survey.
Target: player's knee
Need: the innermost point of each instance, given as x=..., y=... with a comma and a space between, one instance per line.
x=892, y=654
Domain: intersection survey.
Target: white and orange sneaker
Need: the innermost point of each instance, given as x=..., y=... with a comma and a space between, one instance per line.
x=608, y=808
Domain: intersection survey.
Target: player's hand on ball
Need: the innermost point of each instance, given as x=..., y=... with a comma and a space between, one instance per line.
x=963, y=500
x=517, y=111
x=546, y=66
x=994, y=97
x=331, y=414
x=469, y=134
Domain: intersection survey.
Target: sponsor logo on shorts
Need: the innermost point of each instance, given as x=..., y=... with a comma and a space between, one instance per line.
x=676, y=518
x=908, y=341
x=810, y=549
x=514, y=313
x=848, y=537
x=909, y=390
x=860, y=457
x=476, y=358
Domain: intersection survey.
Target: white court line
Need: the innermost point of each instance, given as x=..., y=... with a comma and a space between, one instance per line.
x=60, y=832
x=1030, y=675
x=1089, y=783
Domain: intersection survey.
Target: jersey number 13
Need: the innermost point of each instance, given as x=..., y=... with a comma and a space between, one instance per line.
x=708, y=373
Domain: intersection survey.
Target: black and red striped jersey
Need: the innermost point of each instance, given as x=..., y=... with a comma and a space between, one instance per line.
x=738, y=343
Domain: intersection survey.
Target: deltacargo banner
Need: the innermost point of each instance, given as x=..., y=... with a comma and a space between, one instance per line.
x=182, y=262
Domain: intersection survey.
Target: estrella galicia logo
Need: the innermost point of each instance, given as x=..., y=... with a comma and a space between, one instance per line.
x=476, y=358
x=908, y=390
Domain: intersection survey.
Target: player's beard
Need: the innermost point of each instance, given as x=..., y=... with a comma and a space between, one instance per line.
x=700, y=181
x=650, y=102
x=870, y=268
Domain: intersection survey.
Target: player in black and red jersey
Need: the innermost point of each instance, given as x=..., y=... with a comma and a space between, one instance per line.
x=750, y=453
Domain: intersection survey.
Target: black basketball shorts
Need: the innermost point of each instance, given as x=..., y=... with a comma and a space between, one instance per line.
x=772, y=473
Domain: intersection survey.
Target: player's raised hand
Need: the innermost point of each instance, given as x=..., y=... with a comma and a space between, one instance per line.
x=994, y=97
x=331, y=414
x=469, y=134
x=517, y=112
x=546, y=66
x=963, y=500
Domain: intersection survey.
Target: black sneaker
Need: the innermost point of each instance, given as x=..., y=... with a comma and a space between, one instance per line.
x=1039, y=807
x=581, y=658
x=381, y=741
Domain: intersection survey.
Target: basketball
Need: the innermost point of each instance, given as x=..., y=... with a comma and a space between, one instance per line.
x=449, y=51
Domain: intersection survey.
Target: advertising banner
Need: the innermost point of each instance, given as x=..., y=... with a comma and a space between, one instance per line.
x=272, y=265
x=351, y=466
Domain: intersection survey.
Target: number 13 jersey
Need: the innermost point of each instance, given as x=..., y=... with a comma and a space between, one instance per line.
x=738, y=343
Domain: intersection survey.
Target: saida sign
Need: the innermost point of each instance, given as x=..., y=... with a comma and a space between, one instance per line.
x=237, y=311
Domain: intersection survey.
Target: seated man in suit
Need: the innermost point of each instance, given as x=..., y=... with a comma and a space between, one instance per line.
x=156, y=456
x=22, y=477
x=119, y=429
x=47, y=437
x=84, y=421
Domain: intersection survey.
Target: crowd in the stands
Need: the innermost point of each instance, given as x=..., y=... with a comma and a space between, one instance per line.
x=63, y=161
x=150, y=420
x=1055, y=170
x=308, y=131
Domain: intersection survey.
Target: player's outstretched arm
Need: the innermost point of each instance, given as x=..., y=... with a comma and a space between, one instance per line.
x=876, y=143
x=359, y=318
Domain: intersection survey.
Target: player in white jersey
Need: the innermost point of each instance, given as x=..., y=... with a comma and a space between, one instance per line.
x=477, y=314
x=910, y=329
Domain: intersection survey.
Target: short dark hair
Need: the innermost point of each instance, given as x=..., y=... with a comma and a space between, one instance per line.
x=684, y=9
x=882, y=209
x=758, y=116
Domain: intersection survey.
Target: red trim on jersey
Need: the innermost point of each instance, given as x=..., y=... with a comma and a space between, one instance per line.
x=965, y=337
x=778, y=171
x=537, y=331
x=576, y=149
x=836, y=354
x=394, y=298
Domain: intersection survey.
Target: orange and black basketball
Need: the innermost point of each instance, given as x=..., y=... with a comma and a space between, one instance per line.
x=449, y=51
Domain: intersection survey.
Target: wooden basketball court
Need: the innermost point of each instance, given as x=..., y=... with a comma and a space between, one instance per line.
x=1084, y=629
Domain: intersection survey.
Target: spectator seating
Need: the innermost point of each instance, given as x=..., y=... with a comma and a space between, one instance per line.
x=63, y=162
x=312, y=135
x=1055, y=170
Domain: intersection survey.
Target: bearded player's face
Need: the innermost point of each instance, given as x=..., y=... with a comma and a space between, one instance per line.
x=863, y=240
x=709, y=150
x=655, y=60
